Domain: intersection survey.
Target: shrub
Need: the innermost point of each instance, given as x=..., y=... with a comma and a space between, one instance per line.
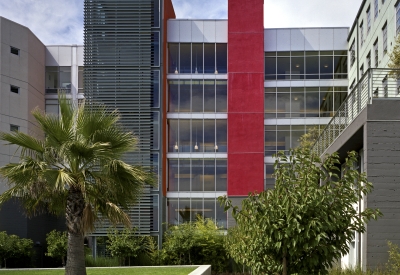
x=57, y=245
x=14, y=247
x=195, y=243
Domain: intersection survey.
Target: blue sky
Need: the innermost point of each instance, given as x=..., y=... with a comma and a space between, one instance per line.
x=58, y=22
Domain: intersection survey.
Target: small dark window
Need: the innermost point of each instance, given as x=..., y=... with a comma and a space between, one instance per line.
x=14, y=51
x=14, y=89
x=14, y=128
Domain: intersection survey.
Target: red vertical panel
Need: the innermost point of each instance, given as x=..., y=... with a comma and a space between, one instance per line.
x=168, y=13
x=245, y=97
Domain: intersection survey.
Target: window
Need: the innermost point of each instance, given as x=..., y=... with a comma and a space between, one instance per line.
x=197, y=95
x=14, y=128
x=361, y=34
x=383, y=2
x=352, y=53
x=14, y=50
x=384, y=37
x=361, y=70
x=376, y=8
x=14, y=89
x=368, y=19
x=376, y=53
x=385, y=86
x=197, y=135
x=58, y=78
x=197, y=58
x=369, y=60
x=306, y=65
x=397, y=19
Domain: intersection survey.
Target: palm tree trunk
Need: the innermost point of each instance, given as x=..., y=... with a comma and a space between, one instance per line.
x=74, y=214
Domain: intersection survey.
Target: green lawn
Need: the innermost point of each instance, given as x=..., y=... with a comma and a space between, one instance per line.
x=109, y=271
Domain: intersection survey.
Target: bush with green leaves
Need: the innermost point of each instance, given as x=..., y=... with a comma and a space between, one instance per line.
x=304, y=223
x=123, y=244
x=195, y=243
x=57, y=243
x=12, y=246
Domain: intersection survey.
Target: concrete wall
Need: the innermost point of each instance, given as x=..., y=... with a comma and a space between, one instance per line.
x=25, y=71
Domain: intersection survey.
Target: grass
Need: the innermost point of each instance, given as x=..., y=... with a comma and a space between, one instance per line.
x=109, y=271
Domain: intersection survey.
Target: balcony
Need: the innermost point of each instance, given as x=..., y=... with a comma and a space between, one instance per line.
x=375, y=84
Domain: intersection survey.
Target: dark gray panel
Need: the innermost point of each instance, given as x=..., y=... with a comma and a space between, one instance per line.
x=383, y=168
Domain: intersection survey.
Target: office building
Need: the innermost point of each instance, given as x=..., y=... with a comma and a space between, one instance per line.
x=211, y=101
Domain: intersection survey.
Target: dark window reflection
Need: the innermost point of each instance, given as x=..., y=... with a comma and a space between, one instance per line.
x=173, y=58
x=185, y=49
x=209, y=58
x=222, y=58
x=197, y=58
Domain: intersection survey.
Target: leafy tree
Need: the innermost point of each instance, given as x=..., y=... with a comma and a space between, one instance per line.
x=12, y=246
x=308, y=139
x=57, y=244
x=304, y=223
x=199, y=242
x=394, y=62
x=76, y=168
x=123, y=244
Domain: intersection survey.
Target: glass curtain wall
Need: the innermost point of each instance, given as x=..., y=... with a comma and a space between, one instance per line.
x=306, y=65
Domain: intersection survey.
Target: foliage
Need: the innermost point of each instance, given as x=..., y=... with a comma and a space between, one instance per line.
x=308, y=139
x=57, y=245
x=76, y=168
x=304, y=223
x=123, y=244
x=394, y=62
x=101, y=261
x=195, y=243
x=166, y=270
x=126, y=244
x=393, y=264
x=12, y=246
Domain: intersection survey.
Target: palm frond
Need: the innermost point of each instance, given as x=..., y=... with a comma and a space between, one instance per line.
x=66, y=111
x=30, y=145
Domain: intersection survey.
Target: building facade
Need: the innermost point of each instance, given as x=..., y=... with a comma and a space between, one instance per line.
x=212, y=101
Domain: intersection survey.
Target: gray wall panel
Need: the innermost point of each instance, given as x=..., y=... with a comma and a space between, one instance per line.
x=383, y=137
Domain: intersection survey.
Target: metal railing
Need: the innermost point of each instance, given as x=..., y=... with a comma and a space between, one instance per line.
x=374, y=84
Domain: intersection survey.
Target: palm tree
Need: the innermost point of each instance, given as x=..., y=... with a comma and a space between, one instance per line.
x=76, y=168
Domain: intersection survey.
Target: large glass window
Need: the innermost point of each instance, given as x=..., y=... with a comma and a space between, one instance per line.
x=197, y=135
x=303, y=102
x=306, y=65
x=197, y=175
x=197, y=96
x=376, y=8
x=197, y=58
x=58, y=78
x=185, y=209
x=282, y=138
